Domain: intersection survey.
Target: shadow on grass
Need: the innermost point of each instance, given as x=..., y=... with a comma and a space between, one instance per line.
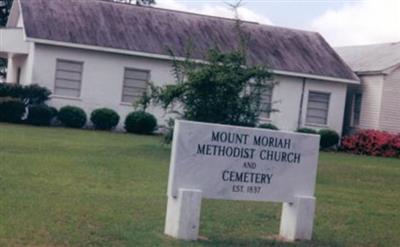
x=267, y=242
x=238, y=242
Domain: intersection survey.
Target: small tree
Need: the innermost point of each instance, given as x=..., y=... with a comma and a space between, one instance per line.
x=223, y=90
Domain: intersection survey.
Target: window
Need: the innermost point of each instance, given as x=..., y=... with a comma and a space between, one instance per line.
x=266, y=103
x=135, y=84
x=317, y=108
x=357, y=99
x=68, y=78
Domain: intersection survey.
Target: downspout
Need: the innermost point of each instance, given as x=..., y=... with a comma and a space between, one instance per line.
x=299, y=122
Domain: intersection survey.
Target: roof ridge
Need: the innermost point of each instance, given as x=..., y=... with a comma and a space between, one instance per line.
x=366, y=45
x=204, y=15
x=176, y=11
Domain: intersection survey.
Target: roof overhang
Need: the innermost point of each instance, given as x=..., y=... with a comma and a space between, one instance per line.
x=170, y=58
x=379, y=72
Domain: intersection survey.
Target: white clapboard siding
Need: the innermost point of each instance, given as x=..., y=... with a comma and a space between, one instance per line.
x=390, y=110
x=317, y=108
x=68, y=78
x=135, y=84
x=371, y=101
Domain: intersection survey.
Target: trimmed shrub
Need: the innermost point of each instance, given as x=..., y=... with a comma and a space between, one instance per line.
x=72, y=116
x=268, y=126
x=140, y=122
x=307, y=131
x=54, y=111
x=104, y=119
x=372, y=142
x=30, y=95
x=40, y=115
x=11, y=90
x=329, y=138
x=35, y=94
x=11, y=110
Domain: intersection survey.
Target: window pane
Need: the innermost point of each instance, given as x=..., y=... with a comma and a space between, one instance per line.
x=135, y=84
x=69, y=66
x=136, y=74
x=317, y=108
x=68, y=78
x=68, y=75
x=61, y=83
x=266, y=103
x=357, y=109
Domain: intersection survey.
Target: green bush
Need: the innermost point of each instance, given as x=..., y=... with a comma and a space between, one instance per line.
x=40, y=115
x=54, y=111
x=307, y=131
x=72, y=116
x=225, y=90
x=35, y=94
x=11, y=90
x=329, y=138
x=29, y=95
x=11, y=110
x=140, y=122
x=268, y=126
x=104, y=119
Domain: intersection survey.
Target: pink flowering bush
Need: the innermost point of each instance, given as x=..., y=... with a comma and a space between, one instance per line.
x=372, y=142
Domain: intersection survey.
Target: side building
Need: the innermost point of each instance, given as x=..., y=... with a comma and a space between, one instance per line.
x=375, y=103
x=101, y=54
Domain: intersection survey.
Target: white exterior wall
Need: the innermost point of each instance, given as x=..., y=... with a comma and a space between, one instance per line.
x=390, y=109
x=337, y=102
x=102, y=77
x=286, y=99
x=25, y=63
x=20, y=22
x=102, y=81
x=372, y=86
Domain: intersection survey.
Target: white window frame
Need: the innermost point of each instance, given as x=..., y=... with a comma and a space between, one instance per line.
x=123, y=82
x=308, y=107
x=80, y=80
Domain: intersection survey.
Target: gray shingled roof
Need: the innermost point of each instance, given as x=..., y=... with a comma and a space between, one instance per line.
x=153, y=30
x=371, y=58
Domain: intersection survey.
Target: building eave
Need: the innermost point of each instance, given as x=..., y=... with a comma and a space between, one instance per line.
x=316, y=77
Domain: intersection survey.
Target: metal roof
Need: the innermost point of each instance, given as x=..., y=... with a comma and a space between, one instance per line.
x=371, y=58
x=153, y=30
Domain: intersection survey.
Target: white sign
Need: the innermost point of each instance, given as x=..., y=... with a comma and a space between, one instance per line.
x=236, y=163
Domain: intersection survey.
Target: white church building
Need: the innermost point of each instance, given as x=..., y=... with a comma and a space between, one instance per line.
x=375, y=103
x=96, y=53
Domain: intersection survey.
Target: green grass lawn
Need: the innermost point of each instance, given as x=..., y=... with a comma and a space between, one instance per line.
x=61, y=187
